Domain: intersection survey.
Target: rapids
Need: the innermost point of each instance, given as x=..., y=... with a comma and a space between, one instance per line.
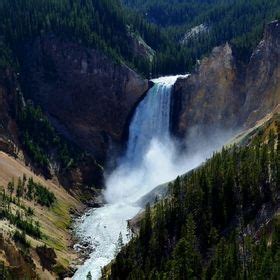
x=150, y=160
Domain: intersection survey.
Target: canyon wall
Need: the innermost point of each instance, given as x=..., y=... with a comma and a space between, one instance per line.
x=224, y=94
x=88, y=97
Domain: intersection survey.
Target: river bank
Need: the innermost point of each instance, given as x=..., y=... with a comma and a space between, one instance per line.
x=151, y=159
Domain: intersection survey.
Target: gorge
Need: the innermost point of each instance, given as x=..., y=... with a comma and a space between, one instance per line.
x=90, y=138
x=151, y=158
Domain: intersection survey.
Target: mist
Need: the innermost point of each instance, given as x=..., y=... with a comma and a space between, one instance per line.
x=161, y=162
x=152, y=158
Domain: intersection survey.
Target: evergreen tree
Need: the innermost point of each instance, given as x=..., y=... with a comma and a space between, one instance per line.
x=89, y=277
x=185, y=237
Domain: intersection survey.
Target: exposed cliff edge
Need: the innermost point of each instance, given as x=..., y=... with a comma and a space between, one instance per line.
x=223, y=94
x=262, y=83
x=87, y=95
x=209, y=96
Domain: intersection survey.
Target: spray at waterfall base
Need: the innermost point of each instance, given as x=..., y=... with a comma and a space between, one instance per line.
x=152, y=158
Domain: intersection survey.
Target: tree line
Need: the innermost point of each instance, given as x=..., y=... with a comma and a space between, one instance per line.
x=241, y=23
x=111, y=26
x=199, y=230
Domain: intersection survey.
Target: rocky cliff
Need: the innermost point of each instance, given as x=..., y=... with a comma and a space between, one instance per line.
x=210, y=96
x=85, y=172
x=223, y=94
x=262, y=83
x=88, y=97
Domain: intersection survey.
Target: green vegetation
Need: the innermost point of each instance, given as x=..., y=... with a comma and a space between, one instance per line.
x=6, y=58
x=96, y=23
x=173, y=12
x=89, y=277
x=39, y=193
x=21, y=238
x=22, y=216
x=110, y=27
x=101, y=24
x=41, y=141
x=5, y=272
x=48, y=151
x=31, y=191
x=26, y=225
x=239, y=22
x=199, y=231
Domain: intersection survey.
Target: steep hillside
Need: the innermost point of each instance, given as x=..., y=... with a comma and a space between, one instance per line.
x=219, y=221
x=198, y=26
x=27, y=134
x=35, y=212
x=105, y=25
x=262, y=77
x=71, y=59
x=210, y=97
x=8, y=132
x=173, y=12
x=35, y=219
x=88, y=97
x=99, y=24
x=128, y=36
x=224, y=94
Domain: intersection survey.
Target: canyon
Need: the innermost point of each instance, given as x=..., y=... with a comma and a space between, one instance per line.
x=91, y=101
x=222, y=93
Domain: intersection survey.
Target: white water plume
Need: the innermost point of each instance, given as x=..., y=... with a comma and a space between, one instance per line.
x=150, y=160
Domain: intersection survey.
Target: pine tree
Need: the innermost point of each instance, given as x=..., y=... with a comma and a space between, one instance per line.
x=89, y=276
x=11, y=187
x=119, y=244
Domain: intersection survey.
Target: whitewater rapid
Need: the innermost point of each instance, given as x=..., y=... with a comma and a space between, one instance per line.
x=149, y=161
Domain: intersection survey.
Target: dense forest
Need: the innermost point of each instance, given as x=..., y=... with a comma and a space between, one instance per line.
x=206, y=228
x=239, y=22
x=174, y=12
x=112, y=27
x=102, y=24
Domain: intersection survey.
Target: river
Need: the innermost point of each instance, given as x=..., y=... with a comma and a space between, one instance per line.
x=150, y=160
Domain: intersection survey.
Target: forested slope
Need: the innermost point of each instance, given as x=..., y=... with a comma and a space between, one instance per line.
x=114, y=29
x=97, y=23
x=97, y=27
x=102, y=24
x=219, y=222
x=239, y=22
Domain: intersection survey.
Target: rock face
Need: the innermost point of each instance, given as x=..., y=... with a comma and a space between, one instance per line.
x=209, y=96
x=223, y=94
x=86, y=172
x=18, y=265
x=262, y=84
x=88, y=97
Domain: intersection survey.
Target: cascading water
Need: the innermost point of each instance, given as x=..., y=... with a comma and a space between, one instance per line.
x=148, y=162
x=151, y=120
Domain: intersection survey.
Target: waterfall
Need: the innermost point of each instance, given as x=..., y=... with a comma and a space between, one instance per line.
x=148, y=162
x=149, y=146
x=151, y=120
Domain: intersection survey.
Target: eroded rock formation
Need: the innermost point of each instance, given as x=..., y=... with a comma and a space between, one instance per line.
x=88, y=97
x=222, y=94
